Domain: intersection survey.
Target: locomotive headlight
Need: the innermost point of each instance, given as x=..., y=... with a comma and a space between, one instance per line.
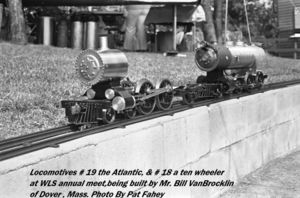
x=76, y=109
x=118, y=103
x=90, y=93
x=109, y=94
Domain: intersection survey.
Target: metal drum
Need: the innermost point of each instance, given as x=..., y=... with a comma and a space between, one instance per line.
x=77, y=35
x=46, y=29
x=62, y=34
x=96, y=66
x=210, y=57
x=84, y=36
x=91, y=32
x=77, y=32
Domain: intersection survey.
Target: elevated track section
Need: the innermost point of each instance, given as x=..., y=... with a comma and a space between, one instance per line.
x=237, y=136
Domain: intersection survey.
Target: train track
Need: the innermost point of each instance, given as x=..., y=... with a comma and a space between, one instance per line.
x=13, y=147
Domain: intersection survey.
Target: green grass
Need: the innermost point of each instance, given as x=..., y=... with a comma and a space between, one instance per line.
x=34, y=79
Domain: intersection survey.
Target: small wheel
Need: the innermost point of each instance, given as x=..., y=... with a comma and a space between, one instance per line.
x=130, y=113
x=238, y=86
x=75, y=127
x=84, y=127
x=225, y=87
x=109, y=115
x=188, y=99
x=164, y=101
x=219, y=93
x=250, y=79
x=260, y=77
x=147, y=106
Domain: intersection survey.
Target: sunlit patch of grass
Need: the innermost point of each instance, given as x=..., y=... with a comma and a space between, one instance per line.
x=281, y=69
x=155, y=67
x=34, y=79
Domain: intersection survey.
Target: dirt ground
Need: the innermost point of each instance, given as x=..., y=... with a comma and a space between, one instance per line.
x=279, y=178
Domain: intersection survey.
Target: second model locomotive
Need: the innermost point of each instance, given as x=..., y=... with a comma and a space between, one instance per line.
x=233, y=65
x=229, y=69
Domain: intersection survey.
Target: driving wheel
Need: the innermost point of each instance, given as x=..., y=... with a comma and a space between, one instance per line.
x=188, y=98
x=164, y=101
x=130, y=113
x=146, y=106
x=109, y=115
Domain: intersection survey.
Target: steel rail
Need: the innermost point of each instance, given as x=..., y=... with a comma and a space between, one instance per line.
x=55, y=141
x=32, y=137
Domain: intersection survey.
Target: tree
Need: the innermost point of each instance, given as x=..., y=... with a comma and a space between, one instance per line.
x=17, y=26
x=1, y=14
x=209, y=28
x=262, y=18
x=218, y=13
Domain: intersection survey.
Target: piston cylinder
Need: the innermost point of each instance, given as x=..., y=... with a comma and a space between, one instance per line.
x=46, y=29
x=124, y=101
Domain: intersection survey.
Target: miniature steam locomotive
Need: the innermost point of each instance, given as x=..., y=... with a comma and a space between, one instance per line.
x=230, y=69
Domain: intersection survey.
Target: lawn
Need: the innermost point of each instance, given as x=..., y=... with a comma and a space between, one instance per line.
x=34, y=79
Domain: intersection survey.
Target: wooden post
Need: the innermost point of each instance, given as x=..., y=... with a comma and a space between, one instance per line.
x=155, y=38
x=174, y=27
x=1, y=14
x=194, y=36
x=295, y=37
x=296, y=47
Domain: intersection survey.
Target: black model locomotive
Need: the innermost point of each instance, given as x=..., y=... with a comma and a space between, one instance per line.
x=233, y=65
x=229, y=69
x=111, y=93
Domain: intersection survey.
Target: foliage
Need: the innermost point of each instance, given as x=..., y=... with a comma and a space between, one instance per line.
x=262, y=18
x=209, y=28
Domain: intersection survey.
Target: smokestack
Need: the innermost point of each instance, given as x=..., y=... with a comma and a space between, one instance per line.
x=103, y=43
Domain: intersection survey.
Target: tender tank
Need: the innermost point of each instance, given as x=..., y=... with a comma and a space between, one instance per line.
x=95, y=66
x=211, y=57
